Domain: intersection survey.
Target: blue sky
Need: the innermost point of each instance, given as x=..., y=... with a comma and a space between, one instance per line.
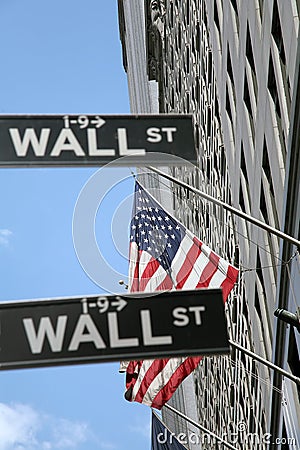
x=61, y=57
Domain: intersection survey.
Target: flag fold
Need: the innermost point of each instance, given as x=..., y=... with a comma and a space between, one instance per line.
x=164, y=255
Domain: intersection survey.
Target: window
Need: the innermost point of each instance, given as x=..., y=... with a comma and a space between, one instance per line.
x=273, y=87
x=241, y=199
x=294, y=356
x=234, y=5
x=247, y=97
x=249, y=52
x=259, y=273
x=266, y=167
x=229, y=66
x=277, y=33
x=267, y=170
x=228, y=107
x=216, y=16
x=197, y=37
x=257, y=305
x=187, y=14
x=263, y=205
x=243, y=164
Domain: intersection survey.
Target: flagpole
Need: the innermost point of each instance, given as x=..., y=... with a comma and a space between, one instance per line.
x=197, y=425
x=230, y=208
x=266, y=362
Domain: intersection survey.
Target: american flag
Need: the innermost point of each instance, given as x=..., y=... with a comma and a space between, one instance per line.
x=164, y=255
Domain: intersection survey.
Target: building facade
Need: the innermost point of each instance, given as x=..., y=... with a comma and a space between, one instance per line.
x=233, y=65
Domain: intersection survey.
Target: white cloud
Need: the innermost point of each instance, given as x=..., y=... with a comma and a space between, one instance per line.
x=69, y=434
x=107, y=445
x=143, y=429
x=18, y=427
x=5, y=236
x=23, y=428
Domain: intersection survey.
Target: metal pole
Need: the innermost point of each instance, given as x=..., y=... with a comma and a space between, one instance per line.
x=230, y=208
x=266, y=362
x=197, y=425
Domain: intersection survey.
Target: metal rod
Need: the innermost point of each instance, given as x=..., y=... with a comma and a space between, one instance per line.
x=266, y=362
x=230, y=208
x=197, y=425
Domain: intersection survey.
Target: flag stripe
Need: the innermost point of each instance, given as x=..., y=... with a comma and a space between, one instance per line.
x=217, y=279
x=133, y=274
x=200, y=264
x=176, y=377
x=166, y=284
x=210, y=269
x=187, y=267
x=230, y=281
x=152, y=369
x=185, y=247
x=156, y=281
x=162, y=378
x=149, y=273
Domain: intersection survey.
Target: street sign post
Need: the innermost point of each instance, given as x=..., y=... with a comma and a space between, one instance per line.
x=93, y=140
x=67, y=331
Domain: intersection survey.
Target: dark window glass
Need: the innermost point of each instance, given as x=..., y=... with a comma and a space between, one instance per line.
x=257, y=304
x=216, y=16
x=266, y=167
x=294, y=357
x=198, y=37
x=249, y=51
x=228, y=108
x=229, y=66
x=277, y=32
x=187, y=59
x=187, y=12
x=241, y=199
x=259, y=272
x=234, y=5
x=209, y=66
x=243, y=164
x=263, y=205
x=273, y=87
x=247, y=97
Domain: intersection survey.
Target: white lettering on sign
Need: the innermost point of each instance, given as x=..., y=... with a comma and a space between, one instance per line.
x=92, y=143
x=182, y=317
x=55, y=338
x=113, y=329
x=86, y=331
x=67, y=141
x=39, y=145
x=169, y=132
x=155, y=134
x=123, y=146
x=197, y=310
x=180, y=314
x=148, y=337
